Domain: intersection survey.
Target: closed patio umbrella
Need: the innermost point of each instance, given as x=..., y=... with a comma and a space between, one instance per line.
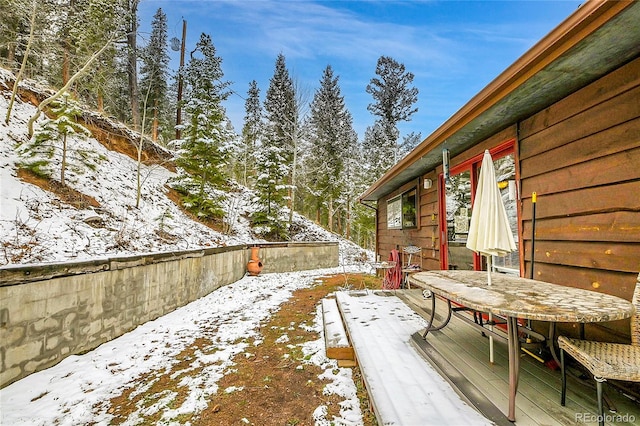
x=489, y=232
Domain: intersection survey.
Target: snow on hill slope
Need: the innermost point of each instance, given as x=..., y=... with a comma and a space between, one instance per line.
x=37, y=226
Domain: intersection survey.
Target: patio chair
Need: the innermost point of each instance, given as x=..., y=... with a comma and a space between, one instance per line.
x=605, y=360
x=409, y=264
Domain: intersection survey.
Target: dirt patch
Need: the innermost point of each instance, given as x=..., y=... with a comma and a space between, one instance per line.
x=107, y=131
x=67, y=194
x=269, y=384
x=115, y=140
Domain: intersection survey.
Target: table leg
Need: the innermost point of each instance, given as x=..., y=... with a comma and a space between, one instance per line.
x=431, y=327
x=514, y=365
x=551, y=342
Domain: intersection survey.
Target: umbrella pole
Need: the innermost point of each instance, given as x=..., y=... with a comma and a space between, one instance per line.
x=490, y=315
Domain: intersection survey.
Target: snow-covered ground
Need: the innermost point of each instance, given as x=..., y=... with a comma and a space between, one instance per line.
x=77, y=390
x=36, y=227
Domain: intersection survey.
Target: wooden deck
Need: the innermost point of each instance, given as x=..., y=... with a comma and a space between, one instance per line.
x=461, y=353
x=404, y=390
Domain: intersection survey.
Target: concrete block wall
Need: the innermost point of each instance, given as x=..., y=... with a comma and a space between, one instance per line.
x=51, y=311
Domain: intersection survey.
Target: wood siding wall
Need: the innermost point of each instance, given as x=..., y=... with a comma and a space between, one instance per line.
x=428, y=234
x=425, y=235
x=581, y=156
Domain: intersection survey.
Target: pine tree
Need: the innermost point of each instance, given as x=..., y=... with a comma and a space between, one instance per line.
x=393, y=98
x=409, y=142
x=251, y=134
x=332, y=140
x=16, y=24
x=154, y=70
x=205, y=132
x=275, y=160
x=51, y=142
x=130, y=9
x=378, y=151
x=98, y=21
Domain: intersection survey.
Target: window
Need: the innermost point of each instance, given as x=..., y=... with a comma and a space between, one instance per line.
x=401, y=211
x=456, y=207
x=409, y=209
x=394, y=213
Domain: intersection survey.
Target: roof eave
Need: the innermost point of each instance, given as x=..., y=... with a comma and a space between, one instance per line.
x=587, y=19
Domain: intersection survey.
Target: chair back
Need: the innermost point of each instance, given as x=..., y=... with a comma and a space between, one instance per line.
x=407, y=255
x=635, y=319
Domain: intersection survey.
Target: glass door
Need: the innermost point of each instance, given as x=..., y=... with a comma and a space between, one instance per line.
x=456, y=205
x=506, y=176
x=458, y=217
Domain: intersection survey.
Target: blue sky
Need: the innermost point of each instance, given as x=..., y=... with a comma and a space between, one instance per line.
x=454, y=48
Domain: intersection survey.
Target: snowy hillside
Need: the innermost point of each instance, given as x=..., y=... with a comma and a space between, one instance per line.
x=37, y=226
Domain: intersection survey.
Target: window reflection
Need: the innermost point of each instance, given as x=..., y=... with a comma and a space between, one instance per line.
x=458, y=216
x=506, y=177
x=458, y=199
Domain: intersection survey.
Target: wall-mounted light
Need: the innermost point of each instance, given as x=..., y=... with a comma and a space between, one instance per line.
x=445, y=164
x=427, y=183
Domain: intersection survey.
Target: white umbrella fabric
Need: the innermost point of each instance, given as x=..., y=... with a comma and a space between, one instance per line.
x=489, y=232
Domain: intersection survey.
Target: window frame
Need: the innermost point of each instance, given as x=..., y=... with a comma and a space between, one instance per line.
x=396, y=207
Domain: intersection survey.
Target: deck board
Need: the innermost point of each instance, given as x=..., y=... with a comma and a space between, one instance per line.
x=538, y=400
x=404, y=389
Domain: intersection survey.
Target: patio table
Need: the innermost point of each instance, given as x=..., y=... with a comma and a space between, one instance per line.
x=514, y=297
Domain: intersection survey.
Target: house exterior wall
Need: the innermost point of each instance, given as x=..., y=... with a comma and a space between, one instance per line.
x=581, y=156
x=427, y=226
x=429, y=233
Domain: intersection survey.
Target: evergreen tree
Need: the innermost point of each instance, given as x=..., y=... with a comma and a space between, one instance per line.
x=14, y=30
x=275, y=160
x=50, y=143
x=393, y=98
x=409, y=142
x=377, y=150
x=332, y=140
x=201, y=151
x=251, y=134
x=131, y=25
x=27, y=39
x=155, y=72
x=97, y=22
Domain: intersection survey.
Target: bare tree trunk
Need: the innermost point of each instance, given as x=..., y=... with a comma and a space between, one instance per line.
x=24, y=61
x=154, y=130
x=11, y=54
x=63, y=165
x=330, y=213
x=100, y=101
x=348, y=218
x=132, y=56
x=65, y=64
x=292, y=188
x=180, y=82
x=42, y=105
x=140, y=145
x=66, y=47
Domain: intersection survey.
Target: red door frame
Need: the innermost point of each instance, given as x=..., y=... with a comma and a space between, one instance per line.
x=473, y=165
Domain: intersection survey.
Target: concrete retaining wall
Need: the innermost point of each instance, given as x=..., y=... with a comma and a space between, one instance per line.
x=48, y=312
